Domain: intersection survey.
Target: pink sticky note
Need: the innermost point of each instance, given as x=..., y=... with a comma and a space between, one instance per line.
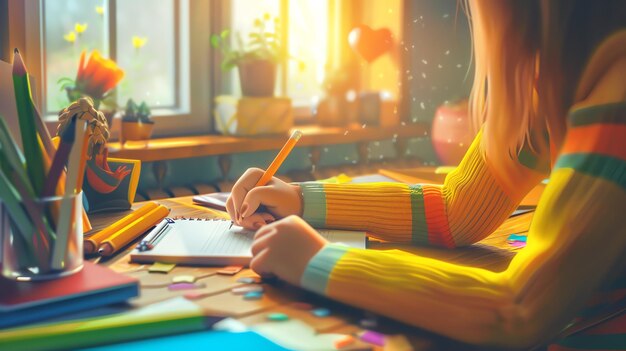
x=517, y=244
x=182, y=286
x=372, y=337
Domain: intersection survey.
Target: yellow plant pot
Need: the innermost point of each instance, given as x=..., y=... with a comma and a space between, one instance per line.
x=136, y=131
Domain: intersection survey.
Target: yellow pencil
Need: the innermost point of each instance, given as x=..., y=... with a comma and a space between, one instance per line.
x=280, y=158
x=132, y=230
x=90, y=244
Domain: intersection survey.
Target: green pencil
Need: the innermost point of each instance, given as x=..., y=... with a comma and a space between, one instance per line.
x=28, y=129
x=11, y=201
x=11, y=158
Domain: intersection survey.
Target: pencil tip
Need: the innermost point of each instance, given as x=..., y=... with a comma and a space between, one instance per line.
x=18, y=64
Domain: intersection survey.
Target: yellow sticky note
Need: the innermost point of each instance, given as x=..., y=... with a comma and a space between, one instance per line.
x=159, y=267
x=444, y=169
x=184, y=279
x=339, y=179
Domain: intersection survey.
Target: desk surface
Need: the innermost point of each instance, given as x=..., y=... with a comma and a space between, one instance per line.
x=491, y=253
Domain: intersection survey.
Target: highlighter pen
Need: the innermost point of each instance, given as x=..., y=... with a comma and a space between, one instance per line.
x=280, y=158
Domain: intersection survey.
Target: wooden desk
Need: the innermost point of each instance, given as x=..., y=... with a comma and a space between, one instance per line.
x=492, y=253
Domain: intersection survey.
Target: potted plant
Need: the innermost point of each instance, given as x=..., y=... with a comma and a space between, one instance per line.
x=95, y=79
x=136, y=122
x=256, y=61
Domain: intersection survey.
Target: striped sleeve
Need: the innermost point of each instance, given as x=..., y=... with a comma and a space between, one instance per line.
x=575, y=248
x=465, y=209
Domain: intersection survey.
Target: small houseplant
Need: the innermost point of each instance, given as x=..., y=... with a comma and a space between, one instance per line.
x=255, y=61
x=136, y=122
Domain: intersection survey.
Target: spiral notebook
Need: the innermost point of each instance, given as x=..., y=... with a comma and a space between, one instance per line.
x=213, y=242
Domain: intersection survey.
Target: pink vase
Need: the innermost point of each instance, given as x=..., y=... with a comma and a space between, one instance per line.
x=451, y=132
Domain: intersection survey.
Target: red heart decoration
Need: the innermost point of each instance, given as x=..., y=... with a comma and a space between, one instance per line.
x=369, y=43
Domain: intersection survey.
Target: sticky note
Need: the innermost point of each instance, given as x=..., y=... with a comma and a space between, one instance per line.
x=195, y=295
x=241, y=290
x=184, y=279
x=372, y=337
x=344, y=342
x=302, y=306
x=517, y=244
x=277, y=317
x=516, y=237
x=159, y=267
x=230, y=270
x=321, y=312
x=249, y=280
x=253, y=295
x=183, y=286
x=444, y=169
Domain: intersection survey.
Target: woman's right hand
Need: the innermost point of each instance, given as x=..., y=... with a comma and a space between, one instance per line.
x=280, y=199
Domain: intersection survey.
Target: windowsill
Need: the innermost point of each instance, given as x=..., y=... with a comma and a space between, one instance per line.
x=210, y=145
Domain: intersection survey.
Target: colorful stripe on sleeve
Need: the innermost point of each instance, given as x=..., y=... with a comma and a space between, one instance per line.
x=468, y=207
x=596, y=143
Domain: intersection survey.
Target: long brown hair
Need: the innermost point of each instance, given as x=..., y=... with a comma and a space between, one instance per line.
x=529, y=57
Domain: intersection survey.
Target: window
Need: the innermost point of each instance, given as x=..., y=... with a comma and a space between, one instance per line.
x=306, y=31
x=150, y=40
x=164, y=48
x=125, y=32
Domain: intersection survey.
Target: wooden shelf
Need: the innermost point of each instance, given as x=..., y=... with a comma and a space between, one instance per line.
x=209, y=145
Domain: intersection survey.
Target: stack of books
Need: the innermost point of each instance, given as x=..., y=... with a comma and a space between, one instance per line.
x=33, y=301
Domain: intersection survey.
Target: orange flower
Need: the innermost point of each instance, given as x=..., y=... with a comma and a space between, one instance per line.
x=98, y=76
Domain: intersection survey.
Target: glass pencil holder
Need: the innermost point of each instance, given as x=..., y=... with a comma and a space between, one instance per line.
x=42, y=238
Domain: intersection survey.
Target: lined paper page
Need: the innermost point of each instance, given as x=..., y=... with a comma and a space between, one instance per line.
x=196, y=239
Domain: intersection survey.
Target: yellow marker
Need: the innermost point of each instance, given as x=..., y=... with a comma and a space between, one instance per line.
x=132, y=230
x=91, y=243
x=280, y=158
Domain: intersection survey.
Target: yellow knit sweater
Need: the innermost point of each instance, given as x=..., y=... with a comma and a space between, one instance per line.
x=580, y=212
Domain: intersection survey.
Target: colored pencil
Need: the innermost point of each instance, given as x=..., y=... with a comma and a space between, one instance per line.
x=280, y=158
x=131, y=231
x=34, y=161
x=60, y=158
x=11, y=157
x=67, y=203
x=91, y=244
x=21, y=220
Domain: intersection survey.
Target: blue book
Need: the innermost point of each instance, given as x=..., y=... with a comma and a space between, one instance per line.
x=94, y=286
x=203, y=340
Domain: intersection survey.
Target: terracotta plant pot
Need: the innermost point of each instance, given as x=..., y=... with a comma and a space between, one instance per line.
x=257, y=77
x=452, y=132
x=136, y=131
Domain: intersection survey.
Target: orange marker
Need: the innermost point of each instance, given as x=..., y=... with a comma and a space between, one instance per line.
x=90, y=244
x=280, y=158
x=132, y=230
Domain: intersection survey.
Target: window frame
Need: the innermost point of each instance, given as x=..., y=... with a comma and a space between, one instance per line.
x=209, y=81
x=192, y=114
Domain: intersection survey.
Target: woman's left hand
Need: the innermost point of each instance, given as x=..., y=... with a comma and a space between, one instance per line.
x=284, y=248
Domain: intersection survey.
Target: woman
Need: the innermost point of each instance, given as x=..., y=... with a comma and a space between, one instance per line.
x=549, y=99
